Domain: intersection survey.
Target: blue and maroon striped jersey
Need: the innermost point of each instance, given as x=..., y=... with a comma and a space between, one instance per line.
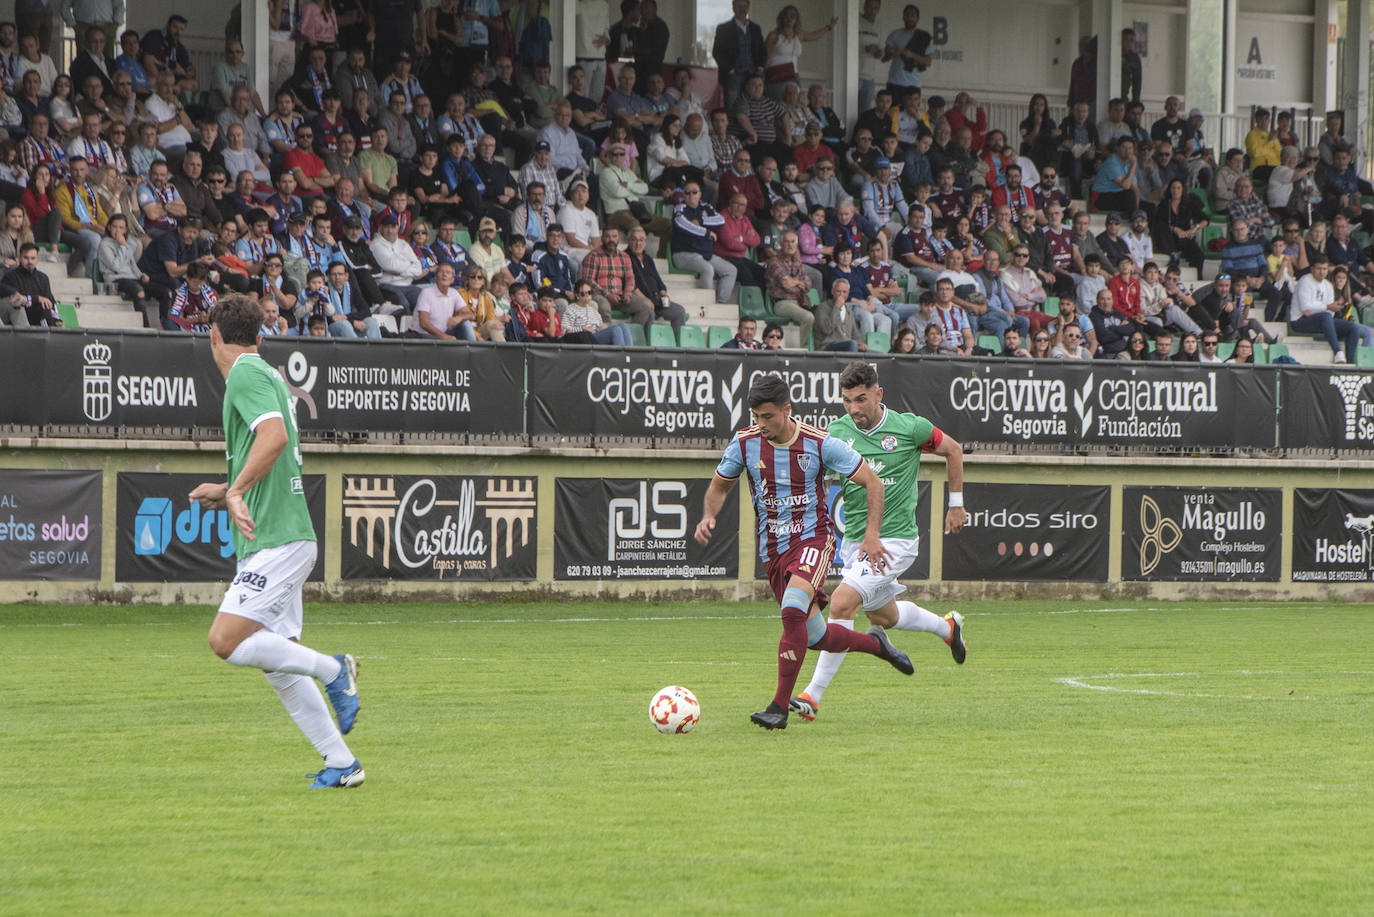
x=788, y=483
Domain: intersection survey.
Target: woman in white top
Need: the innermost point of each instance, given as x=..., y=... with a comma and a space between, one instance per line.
x=784, y=46
x=65, y=120
x=579, y=224
x=667, y=159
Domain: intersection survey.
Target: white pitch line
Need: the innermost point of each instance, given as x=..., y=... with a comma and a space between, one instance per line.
x=1084, y=681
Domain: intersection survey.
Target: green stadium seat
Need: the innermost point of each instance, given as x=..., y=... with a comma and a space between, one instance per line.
x=668, y=256
x=636, y=334
x=463, y=238
x=815, y=296
x=1208, y=234
x=990, y=342
x=617, y=315
x=691, y=336
x=1261, y=353
x=661, y=336
x=1225, y=349
x=1050, y=305
x=878, y=341
x=1276, y=351
x=1364, y=356
x=752, y=305
x=717, y=335
x=67, y=312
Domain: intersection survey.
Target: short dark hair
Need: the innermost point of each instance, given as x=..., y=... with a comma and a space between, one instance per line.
x=769, y=389
x=26, y=247
x=859, y=373
x=238, y=318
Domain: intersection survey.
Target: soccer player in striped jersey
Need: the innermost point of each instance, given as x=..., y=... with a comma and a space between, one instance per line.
x=786, y=463
x=891, y=444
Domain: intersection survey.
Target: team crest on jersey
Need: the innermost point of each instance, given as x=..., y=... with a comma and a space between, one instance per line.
x=804, y=461
x=888, y=443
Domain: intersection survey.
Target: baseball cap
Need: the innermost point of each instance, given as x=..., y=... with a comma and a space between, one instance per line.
x=882, y=162
x=387, y=219
x=298, y=217
x=1195, y=113
x=487, y=223
x=1113, y=218
x=813, y=125
x=353, y=223
x=1140, y=215
x=542, y=145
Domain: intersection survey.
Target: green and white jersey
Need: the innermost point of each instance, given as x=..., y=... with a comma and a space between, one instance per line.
x=253, y=393
x=893, y=450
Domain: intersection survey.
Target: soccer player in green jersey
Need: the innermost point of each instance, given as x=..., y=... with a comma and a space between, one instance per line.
x=891, y=444
x=259, y=620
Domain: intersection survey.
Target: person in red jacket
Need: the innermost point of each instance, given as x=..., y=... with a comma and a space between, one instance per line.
x=1125, y=290
x=967, y=113
x=740, y=179
x=736, y=237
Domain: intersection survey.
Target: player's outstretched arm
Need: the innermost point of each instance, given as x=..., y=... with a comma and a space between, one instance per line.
x=715, y=499
x=269, y=440
x=872, y=546
x=954, y=472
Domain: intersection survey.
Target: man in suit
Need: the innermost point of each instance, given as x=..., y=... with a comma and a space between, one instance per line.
x=739, y=50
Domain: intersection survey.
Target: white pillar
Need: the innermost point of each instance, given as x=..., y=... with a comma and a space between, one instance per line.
x=1108, y=19
x=1228, y=63
x=1354, y=96
x=844, y=60
x=1204, y=65
x=257, y=51
x=1325, y=78
x=563, y=48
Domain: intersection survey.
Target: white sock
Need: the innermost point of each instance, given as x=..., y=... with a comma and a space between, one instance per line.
x=274, y=653
x=826, y=667
x=911, y=616
x=304, y=702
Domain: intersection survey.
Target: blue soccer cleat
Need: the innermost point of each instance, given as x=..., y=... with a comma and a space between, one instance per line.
x=343, y=692
x=342, y=778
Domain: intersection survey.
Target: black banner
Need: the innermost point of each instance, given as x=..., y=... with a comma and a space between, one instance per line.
x=640, y=529
x=1332, y=535
x=1326, y=408
x=438, y=528
x=1201, y=534
x=50, y=525
x=170, y=381
x=1031, y=532
x=162, y=537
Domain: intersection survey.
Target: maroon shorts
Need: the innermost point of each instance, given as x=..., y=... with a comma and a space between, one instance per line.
x=808, y=559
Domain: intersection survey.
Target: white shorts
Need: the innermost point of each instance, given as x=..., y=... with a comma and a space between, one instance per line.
x=267, y=587
x=877, y=589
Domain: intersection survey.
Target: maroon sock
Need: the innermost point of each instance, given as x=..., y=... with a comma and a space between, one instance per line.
x=839, y=639
x=791, y=652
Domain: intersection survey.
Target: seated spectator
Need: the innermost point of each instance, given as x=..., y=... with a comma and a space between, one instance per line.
x=649, y=285
x=1114, y=185
x=489, y=319
x=545, y=325
x=950, y=319
x=82, y=218
x=195, y=192
x=1163, y=347
x=556, y=270
x=816, y=238
x=835, y=326
x=935, y=344
x=1210, y=342
x=1224, y=182
x=486, y=254
x=1138, y=240
x=379, y=169
x=1157, y=305
x=1178, y=221
x=668, y=165
x=1024, y=288
x=580, y=225
x=1110, y=242
x=740, y=179
x=734, y=239
x=610, y=275
x=1341, y=191
x=622, y=197
x=534, y=214
x=426, y=184
x=999, y=314
x=440, y=311
x=400, y=268
x=173, y=123
x=1187, y=350
x=1136, y=348
x=1311, y=312
x=789, y=285
x=1051, y=249
x=1078, y=146
x=885, y=210
x=694, y=226
x=744, y=336
x=583, y=324
x=755, y=120
x=622, y=134
x=870, y=313
x=811, y=150
x=1112, y=328
x=118, y=256
x=1262, y=145
x=274, y=286
x=1248, y=208
x=724, y=143
x=401, y=140
x=697, y=150
x=192, y=302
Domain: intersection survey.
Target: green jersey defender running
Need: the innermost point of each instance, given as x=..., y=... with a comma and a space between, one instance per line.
x=259, y=621
x=891, y=443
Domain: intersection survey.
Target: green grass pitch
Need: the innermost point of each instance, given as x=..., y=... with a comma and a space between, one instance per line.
x=1140, y=758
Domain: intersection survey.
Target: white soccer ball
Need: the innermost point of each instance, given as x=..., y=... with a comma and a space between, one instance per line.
x=674, y=709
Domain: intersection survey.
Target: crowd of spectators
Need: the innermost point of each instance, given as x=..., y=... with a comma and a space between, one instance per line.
x=427, y=166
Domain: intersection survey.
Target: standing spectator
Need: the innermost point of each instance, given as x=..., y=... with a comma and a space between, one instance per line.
x=394, y=22
x=870, y=52
x=593, y=37
x=739, y=50
x=1130, y=67
x=1262, y=145
x=1083, y=73
x=784, y=47
x=908, y=49
x=87, y=17
x=353, y=75
x=92, y=61
x=651, y=45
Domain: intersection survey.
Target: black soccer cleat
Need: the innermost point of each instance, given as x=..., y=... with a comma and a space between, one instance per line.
x=900, y=661
x=957, y=648
x=771, y=717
